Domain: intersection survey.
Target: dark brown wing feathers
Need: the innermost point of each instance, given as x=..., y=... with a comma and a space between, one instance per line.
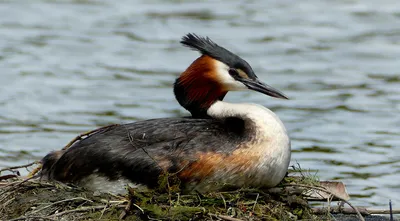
x=141, y=151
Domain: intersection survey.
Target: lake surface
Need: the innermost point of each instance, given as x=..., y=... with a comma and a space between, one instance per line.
x=67, y=67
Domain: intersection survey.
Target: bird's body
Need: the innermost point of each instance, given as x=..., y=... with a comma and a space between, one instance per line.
x=243, y=145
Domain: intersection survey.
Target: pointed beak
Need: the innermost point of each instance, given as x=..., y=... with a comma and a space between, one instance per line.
x=259, y=86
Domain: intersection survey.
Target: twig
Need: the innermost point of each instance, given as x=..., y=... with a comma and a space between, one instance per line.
x=198, y=196
x=363, y=211
x=69, y=144
x=35, y=171
x=18, y=167
x=17, y=184
x=154, y=160
x=8, y=176
x=335, y=210
x=330, y=192
x=384, y=211
x=3, y=184
x=223, y=200
x=104, y=210
x=329, y=203
x=4, y=205
x=178, y=200
x=82, y=209
x=31, y=217
x=141, y=210
x=5, y=196
x=144, y=150
x=255, y=203
x=126, y=209
x=225, y=217
x=391, y=210
x=83, y=135
x=58, y=202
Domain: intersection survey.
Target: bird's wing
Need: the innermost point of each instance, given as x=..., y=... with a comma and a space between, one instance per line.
x=142, y=150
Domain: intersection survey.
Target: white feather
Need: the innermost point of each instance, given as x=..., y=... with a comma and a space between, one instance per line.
x=272, y=143
x=226, y=79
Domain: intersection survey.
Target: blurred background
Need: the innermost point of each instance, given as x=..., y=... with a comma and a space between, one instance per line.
x=67, y=67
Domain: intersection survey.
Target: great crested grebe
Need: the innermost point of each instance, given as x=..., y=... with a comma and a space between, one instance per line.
x=244, y=145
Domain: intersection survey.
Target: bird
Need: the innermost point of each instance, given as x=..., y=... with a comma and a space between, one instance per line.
x=243, y=145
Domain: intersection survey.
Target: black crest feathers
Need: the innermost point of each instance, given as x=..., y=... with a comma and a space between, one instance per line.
x=207, y=47
x=202, y=44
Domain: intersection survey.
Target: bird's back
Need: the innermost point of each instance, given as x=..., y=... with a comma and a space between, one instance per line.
x=142, y=151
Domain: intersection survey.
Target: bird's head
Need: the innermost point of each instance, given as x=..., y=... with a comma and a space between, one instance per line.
x=213, y=74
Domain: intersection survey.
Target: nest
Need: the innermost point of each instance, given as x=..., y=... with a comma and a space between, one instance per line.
x=29, y=198
x=33, y=199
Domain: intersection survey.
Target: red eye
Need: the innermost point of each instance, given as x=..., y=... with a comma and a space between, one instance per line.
x=233, y=72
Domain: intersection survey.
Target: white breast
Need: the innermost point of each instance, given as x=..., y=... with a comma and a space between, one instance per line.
x=272, y=142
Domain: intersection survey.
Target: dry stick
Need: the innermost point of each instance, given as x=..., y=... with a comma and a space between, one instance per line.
x=138, y=207
x=14, y=185
x=255, y=203
x=383, y=211
x=104, y=210
x=8, y=202
x=198, y=196
x=81, y=136
x=82, y=209
x=18, y=167
x=391, y=210
x=225, y=217
x=363, y=211
x=5, y=196
x=223, y=199
x=2, y=207
x=8, y=176
x=152, y=158
x=31, y=217
x=35, y=171
x=330, y=192
x=3, y=184
x=329, y=200
x=126, y=209
x=17, y=184
x=69, y=144
x=58, y=202
x=144, y=150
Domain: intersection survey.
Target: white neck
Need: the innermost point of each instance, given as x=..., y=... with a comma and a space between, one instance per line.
x=266, y=122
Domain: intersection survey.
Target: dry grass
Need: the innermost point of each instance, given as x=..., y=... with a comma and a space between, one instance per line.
x=34, y=199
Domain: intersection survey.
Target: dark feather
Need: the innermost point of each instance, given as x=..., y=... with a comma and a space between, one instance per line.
x=207, y=47
x=204, y=45
x=136, y=150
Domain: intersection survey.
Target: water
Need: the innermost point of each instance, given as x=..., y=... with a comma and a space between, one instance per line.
x=70, y=66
